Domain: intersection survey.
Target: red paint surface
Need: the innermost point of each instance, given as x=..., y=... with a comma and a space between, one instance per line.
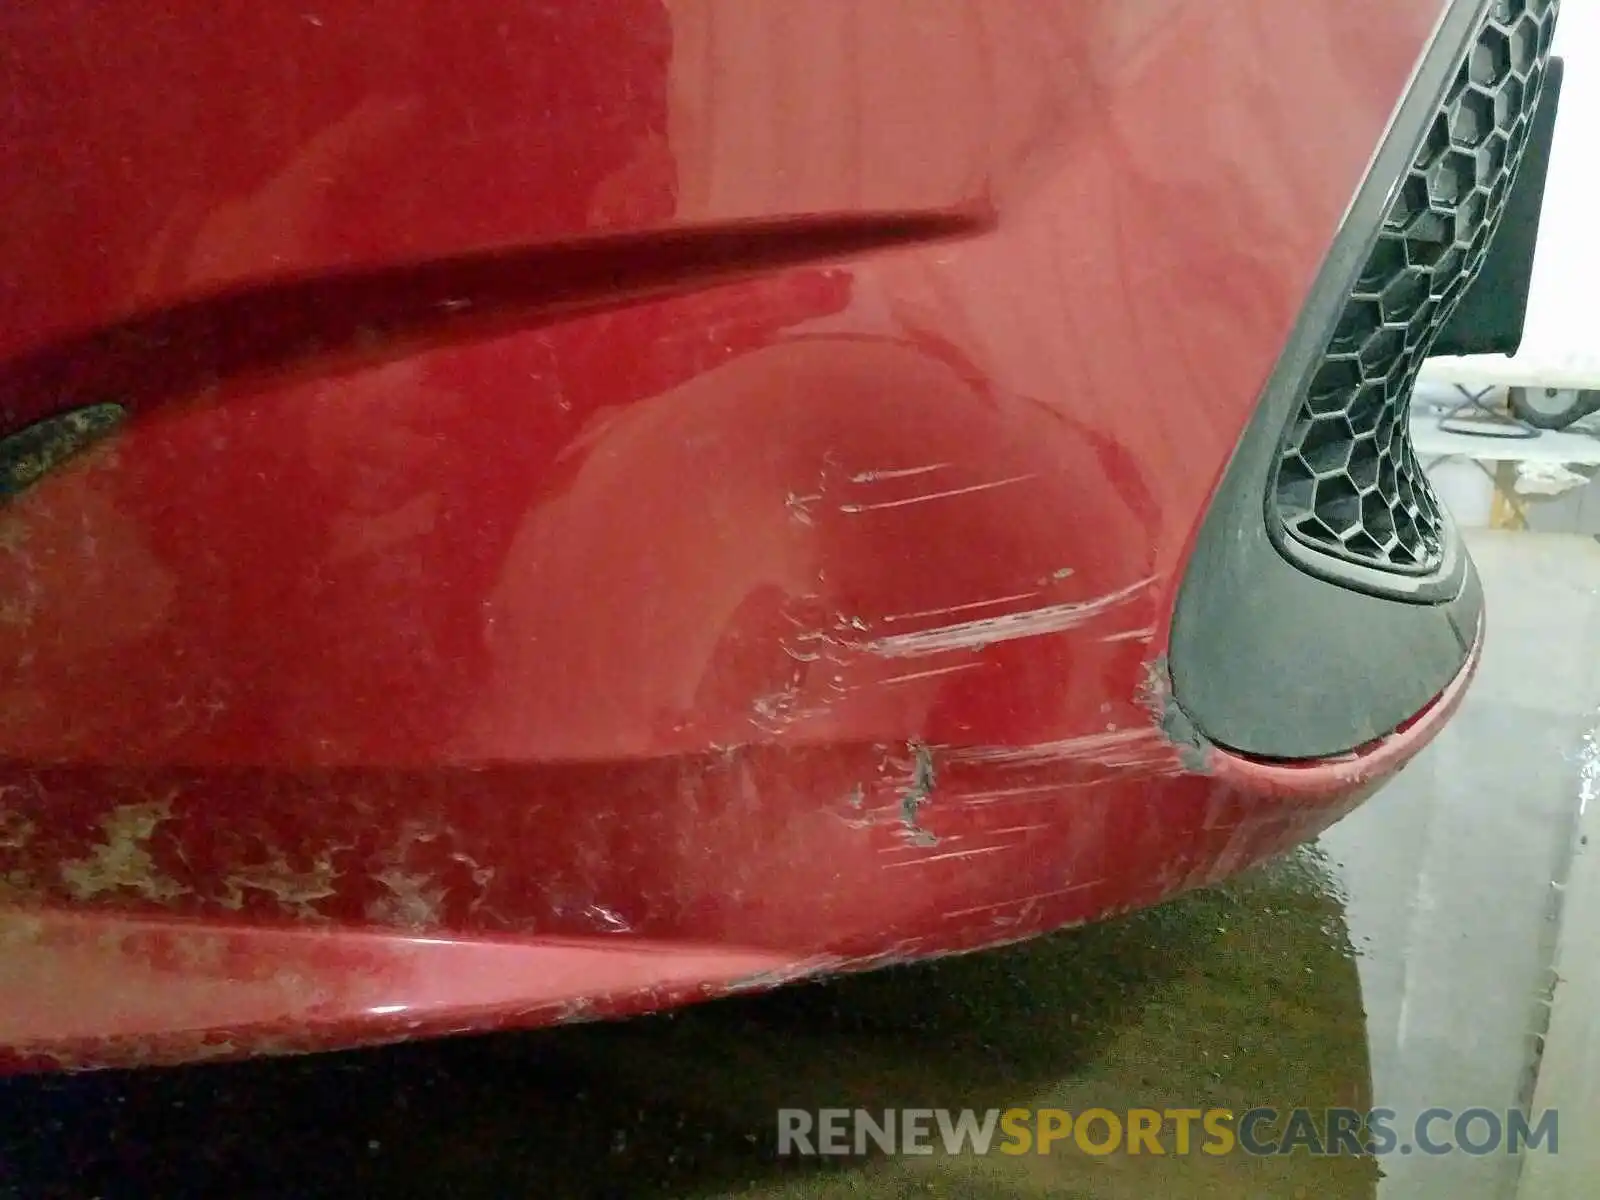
x=467, y=647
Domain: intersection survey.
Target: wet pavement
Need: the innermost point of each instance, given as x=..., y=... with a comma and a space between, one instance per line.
x=1404, y=962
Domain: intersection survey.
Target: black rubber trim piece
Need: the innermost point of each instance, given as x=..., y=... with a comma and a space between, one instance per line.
x=1350, y=500
x=1266, y=658
x=1490, y=317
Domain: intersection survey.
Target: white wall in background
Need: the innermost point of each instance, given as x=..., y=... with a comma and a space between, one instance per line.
x=1564, y=303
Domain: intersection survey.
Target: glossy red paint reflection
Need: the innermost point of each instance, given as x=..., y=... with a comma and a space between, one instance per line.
x=481, y=619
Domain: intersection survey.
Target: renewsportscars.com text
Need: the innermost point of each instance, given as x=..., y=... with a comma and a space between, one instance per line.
x=847, y=1132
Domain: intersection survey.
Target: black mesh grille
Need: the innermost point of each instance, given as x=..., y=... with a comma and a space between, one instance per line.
x=1348, y=483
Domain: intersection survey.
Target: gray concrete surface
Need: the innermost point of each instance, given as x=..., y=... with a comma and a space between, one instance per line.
x=1569, y=1076
x=1448, y=872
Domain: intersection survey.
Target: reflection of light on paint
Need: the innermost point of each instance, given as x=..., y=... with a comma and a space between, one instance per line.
x=383, y=1010
x=1589, y=771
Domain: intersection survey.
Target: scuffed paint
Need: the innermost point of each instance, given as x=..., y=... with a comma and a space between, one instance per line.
x=19, y=930
x=1143, y=634
x=18, y=612
x=917, y=793
x=901, y=473
x=579, y=1011
x=604, y=919
x=854, y=813
x=952, y=855
x=801, y=506
x=813, y=967
x=482, y=878
x=912, y=676
x=1136, y=747
x=1022, y=791
x=924, y=497
x=122, y=862
x=897, y=799
x=202, y=951
x=772, y=712
x=296, y=891
x=412, y=897
x=1027, y=906
x=13, y=533
x=413, y=900
x=818, y=968
x=1155, y=696
x=951, y=609
x=986, y=631
x=16, y=831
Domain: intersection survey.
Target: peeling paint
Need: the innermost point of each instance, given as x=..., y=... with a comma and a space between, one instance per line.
x=985, y=631
x=411, y=899
x=16, y=831
x=917, y=793
x=294, y=890
x=123, y=862
x=1155, y=696
x=414, y=898
x=414, y=901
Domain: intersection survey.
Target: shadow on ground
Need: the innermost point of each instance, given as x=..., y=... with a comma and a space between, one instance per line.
x=1235, y=997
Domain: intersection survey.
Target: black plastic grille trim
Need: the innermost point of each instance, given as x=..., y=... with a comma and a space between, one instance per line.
x=1347, y=487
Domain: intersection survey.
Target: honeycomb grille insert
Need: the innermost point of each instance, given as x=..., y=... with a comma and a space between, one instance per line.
x=1348, y=484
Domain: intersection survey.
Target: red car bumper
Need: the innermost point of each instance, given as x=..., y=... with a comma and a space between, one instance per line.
x=625, y=504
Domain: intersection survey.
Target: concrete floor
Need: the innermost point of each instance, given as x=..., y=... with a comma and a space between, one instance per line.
x=1569, y=1075
x=1403, y=963
x=1449, y=871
